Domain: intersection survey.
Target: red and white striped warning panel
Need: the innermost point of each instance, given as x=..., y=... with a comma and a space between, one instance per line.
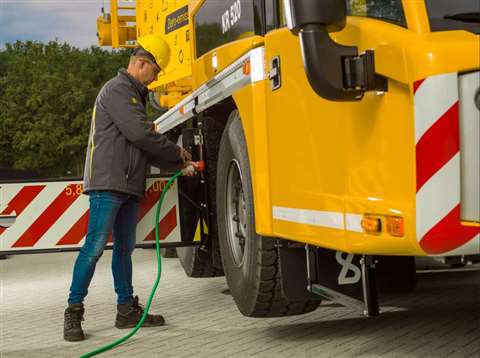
x=54, y=215
x=445, y=224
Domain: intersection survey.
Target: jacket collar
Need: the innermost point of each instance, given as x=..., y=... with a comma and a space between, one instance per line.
x=141, y=88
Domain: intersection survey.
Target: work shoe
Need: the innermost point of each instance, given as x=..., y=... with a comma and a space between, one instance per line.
x=72, y=327
x=129, y=314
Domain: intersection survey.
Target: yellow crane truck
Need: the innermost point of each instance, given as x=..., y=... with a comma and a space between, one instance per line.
x=341, y=140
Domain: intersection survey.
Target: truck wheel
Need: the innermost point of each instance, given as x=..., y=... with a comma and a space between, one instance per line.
x=195, y=262
x=250, y=261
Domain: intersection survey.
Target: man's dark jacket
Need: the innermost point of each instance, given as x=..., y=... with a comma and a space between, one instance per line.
x=122, y=142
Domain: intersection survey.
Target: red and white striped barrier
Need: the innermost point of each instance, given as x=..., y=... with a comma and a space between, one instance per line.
x=54, y=215
x=438, y=180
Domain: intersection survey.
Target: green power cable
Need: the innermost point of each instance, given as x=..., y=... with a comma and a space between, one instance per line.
x=157, y=280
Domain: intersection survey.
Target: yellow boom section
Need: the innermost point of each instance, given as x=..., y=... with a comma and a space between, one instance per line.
x=130, y=19
x=117, y=28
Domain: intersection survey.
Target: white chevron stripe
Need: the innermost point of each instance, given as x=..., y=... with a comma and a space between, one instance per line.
x=64, y=223
x=433, y=98
x=8, y=193
x=30, y=214
x=147, y=224
x=438, y=196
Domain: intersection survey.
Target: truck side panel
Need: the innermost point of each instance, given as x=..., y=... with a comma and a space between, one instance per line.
x=356, y=158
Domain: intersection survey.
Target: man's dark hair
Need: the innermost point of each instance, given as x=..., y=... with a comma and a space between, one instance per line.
x=140, y=52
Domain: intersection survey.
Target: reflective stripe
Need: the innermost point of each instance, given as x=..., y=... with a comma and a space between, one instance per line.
x=431, y=205
x=93, y=142
x=433, y=97
x=330, y=219
x=353, y=222
x=438, y=168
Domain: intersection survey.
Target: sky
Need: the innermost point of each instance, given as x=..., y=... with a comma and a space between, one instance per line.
x=71, y=21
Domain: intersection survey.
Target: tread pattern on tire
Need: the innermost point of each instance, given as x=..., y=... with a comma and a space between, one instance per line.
x=201, y=265
x=270, y=300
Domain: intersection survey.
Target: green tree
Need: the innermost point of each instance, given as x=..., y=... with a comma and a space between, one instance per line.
x=47, y=92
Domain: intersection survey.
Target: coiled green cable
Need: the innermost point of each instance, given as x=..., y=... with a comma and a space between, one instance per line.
x=157, y=280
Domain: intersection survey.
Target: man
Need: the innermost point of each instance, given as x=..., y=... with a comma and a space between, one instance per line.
x=121, y=144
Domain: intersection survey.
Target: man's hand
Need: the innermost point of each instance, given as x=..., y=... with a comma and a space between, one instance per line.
x=189, y=169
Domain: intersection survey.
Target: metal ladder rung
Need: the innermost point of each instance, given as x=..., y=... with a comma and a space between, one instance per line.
x=127, y=18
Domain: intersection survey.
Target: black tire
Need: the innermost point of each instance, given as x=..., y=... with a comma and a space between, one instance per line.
x=254, y=278
x=195, y=262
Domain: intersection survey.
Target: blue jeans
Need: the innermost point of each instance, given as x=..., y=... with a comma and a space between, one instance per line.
x=109, y=212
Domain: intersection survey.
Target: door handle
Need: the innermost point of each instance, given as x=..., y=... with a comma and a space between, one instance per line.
x=274, y=75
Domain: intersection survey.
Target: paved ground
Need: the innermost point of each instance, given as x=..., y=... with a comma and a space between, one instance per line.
x=442, y=319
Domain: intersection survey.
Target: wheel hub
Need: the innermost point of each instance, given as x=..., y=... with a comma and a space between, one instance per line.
x=236, y=213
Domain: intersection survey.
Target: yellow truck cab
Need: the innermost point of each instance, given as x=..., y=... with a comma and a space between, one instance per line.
x=341, y=138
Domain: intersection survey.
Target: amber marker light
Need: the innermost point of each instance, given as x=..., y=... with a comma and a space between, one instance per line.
x=371, y=224
x=395, y=225
x=246, y=68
